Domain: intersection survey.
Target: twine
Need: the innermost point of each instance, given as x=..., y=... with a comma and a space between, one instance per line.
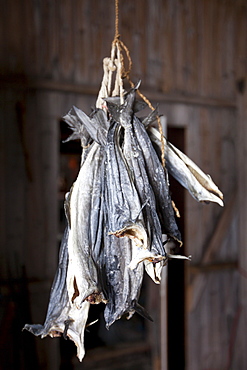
x=116, y=64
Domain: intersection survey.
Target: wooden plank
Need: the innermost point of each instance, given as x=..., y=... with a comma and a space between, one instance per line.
x=241, y=42
x=191, y=47
x=154, y=45
x=126, y=356
x=214, y=266
x=230, y=24
x=179, y=40
x=168, y=52
x=239, y=358
x=195, y=231
x=212, y=325
x=163, y=321
x=198, y=283
x=209, y=310
x=44, y=84
x=220, y=230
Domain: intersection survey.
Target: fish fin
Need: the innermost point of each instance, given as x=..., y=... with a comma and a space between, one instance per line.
x=93, y=124
x=114, y=101
x=152, y=117
x=144, y=205
x=142, y=311
x=139, y=105
x=129, y=106
x=79, y=131
x=113, y=108
x=35, y=329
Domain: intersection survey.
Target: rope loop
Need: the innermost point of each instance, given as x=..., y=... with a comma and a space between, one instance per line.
x=115, y=64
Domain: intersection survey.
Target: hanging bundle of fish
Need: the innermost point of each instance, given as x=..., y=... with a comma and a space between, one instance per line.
x=118, y=211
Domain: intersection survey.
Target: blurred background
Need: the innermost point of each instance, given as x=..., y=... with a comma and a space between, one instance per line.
x=191, y=56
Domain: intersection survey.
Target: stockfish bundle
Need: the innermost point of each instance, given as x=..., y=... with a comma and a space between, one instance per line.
x=119, y=209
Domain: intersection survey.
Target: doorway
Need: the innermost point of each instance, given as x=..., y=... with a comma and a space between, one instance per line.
x=176, y=286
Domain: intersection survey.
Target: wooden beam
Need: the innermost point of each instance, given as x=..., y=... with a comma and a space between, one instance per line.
x=65, y=87
x=199, y=268
x=240, y=356
x=242, y=179
x=220, y=230
x=198, y=283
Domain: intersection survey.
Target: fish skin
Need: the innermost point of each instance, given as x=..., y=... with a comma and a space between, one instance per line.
x=156, y=174
x=84, y=208
x=79, y=130
x=158, y=180
x=97, y=124
x=115, y=101
x=187, y=173
x=122, y=206
x=120, y=285
x=108, y=262
x=142, y=255
x=151, y=118
x=141, y=310
x=205, y=180
x=88, y=188
x=114, y=230
x=155, y=270
x=123, y=285
x=60, y=310
x=98, y=262
x=134, y=158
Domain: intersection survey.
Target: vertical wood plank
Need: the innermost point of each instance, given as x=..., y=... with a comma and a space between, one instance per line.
x=241, y=356
x=163, y=321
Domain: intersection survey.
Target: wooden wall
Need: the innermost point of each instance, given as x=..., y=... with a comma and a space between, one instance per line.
x=192, y=59
x=185, y=46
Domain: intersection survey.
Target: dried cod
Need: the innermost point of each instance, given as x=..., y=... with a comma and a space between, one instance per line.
x=121, y=205
x=187, y=173
x=62, y=318
x=151, y=247
x=118, y=210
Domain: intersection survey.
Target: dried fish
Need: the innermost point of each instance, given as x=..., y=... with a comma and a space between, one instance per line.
x=134, y=160
x=84, y=208
x=82, y=273
x=121, y=206
x=62, y=318
x=156, y=174
x=123, y=285
x=79, y=132
x=97, y=125
x=187, y=173
x=118, y=210
x=159, y=182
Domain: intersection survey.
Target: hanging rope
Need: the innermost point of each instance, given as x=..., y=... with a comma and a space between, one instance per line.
x=117, y=35
x=115, y=64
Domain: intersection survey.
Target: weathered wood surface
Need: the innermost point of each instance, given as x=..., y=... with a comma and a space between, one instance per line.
x=191, y=47
x=189, y=55
x=214, y=298
x=239, y=355
x=211, y=235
